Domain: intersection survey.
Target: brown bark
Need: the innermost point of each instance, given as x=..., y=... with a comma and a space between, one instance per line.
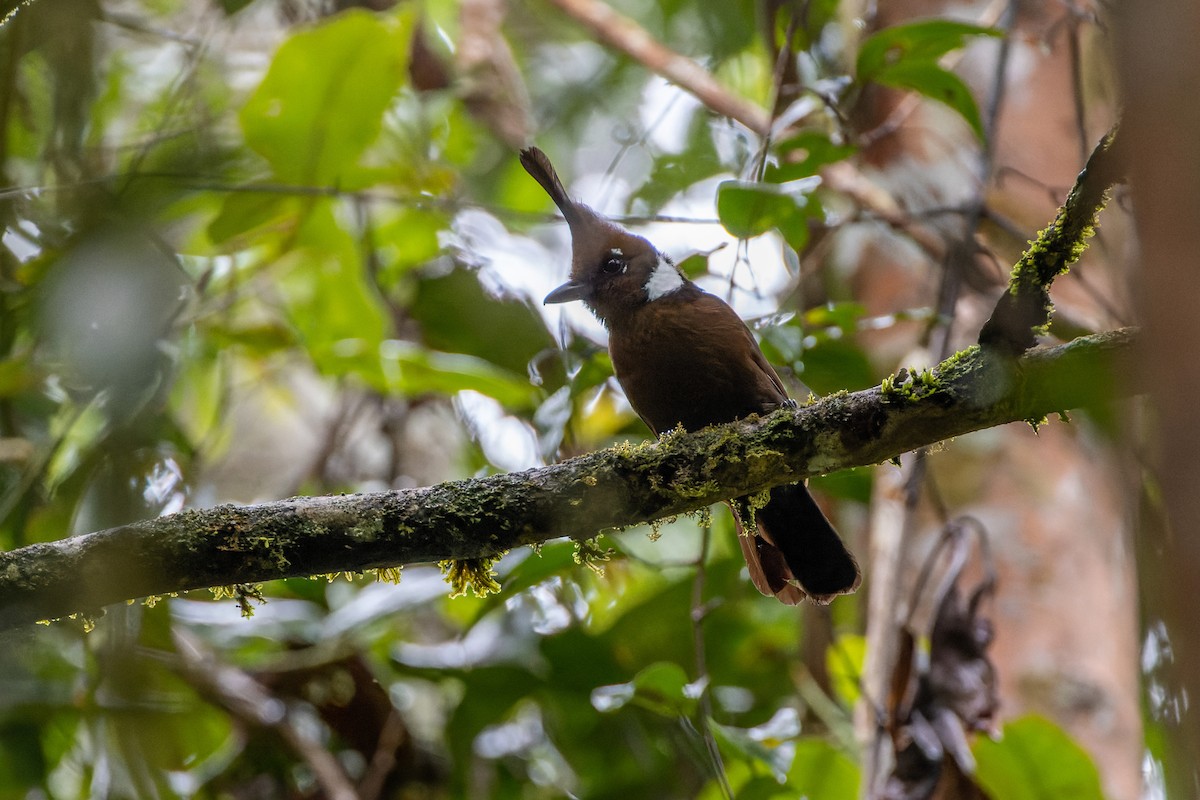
x=1160, y=72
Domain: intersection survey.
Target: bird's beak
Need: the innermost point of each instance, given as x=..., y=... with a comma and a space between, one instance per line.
x=571, y=290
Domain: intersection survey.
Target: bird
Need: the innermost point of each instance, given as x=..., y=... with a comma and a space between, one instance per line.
x=685, y=358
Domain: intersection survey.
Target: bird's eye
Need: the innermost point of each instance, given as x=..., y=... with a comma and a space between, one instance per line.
x=613, y=266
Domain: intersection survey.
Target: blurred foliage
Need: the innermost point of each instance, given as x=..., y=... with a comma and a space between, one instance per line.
x=245, y=257
x=906, y=57
x=1036, y=759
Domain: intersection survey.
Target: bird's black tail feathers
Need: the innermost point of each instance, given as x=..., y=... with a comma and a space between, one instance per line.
x=795, y=542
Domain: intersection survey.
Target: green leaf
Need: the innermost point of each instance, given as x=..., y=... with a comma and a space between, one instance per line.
x=231, y=7
x=822, y=772
x=489, y=694
x=22, y=763
x=410, y=369
x=17, y=375
x=848, y=484
x=595, y=367
x=1035, y=760
x=196, y=396
x=459, y=315
x=844, y=315
x=243, y=212
x=738, y=742
x=924, y=40
x=831, y=365
x=906, y=56
x=322, y=101
x=821, y=348
x=408, y=240
x=327, y=295
x=764, y=787
x=80, y=432
x=844, y=662
x=751, y=209
x=939, y=84
x=259, y=339
x=694, y=265
x=663, y=678
x=804, y=154
x=660, y=688
x=675, y=173
x=551, y=559
x=816, y=14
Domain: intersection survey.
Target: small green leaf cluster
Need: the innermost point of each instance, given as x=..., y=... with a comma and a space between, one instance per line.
x=907, y=57
x=911, y=384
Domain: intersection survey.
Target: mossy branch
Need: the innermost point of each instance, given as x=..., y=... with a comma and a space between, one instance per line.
x=621, y=486
x=1023, y=312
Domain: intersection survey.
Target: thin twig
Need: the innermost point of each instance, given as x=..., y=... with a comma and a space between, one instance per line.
x=699, y=612
x=419, y=202
x=248, y=700
x=383, y=761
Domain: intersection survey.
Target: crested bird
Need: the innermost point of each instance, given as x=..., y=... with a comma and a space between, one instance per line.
x=684, y=357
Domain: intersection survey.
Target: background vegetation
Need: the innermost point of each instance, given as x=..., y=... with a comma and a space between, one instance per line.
x=253, y=250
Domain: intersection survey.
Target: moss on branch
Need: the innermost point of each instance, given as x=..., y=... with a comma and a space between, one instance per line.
x=1023, y=312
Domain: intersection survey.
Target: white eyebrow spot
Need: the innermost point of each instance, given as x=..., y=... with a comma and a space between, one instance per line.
x=616, y=251
x=663, y=280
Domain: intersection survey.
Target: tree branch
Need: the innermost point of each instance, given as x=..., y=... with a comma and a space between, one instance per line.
x=1024, y=310
x=622, y=33
x=613, y=488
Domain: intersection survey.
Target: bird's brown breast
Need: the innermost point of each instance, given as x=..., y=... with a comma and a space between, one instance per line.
x=687, y=358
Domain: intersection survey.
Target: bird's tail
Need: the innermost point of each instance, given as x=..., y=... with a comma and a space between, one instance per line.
x=796, y=552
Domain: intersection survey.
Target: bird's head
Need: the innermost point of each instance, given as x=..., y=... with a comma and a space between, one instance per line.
x=613, y=271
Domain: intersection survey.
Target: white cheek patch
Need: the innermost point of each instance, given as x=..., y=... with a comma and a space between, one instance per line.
x=663, y=280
